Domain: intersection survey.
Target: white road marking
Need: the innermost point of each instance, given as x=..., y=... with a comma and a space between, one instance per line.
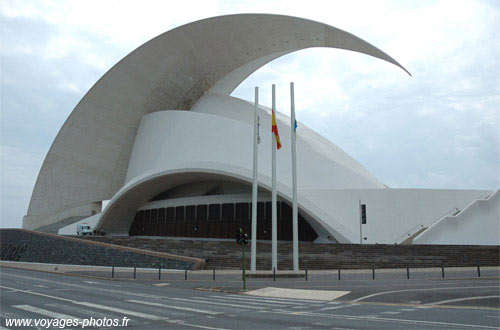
x=338, y=307
x=123, y=311
x=175, y=307
x=41, y=286
x=371, y=318
x=298, y=293
x=407, y=309
x=427, y=289
x=266, y=301
x=254, y=301
x=390, y=312
x=88, y=304
x=460, y=299
x=216, y=303
x=274, y=299
x=161, y=284
x=45, y=312
x=85, y=287
x=37, y=294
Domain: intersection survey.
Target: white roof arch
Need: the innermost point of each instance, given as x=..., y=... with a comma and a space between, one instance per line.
x=88, y=159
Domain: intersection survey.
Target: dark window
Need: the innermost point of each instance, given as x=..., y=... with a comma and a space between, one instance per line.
x=242, y=211
x=179, y=213
x=268, y=213
x=154, y=216
x=170, y=214
x=201, y=213
x=363, y=214
x=161, y=215
x=260, y=210
x=214, y=212
x=147, y=216
x=228, y=211
x=190, y=213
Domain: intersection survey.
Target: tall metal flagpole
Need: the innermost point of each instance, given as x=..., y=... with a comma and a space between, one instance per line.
x=295, y=219
x=274, y=217
x=253, y=264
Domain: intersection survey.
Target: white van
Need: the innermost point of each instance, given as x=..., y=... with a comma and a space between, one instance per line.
x=83, y=229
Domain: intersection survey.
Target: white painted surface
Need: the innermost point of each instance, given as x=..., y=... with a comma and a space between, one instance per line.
x=88, y=159
x=478, y=223
x=298, y=293
x=390, y=212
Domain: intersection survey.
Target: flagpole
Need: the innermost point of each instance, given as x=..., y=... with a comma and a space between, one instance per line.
x=253, y=247
x=295, y=218
x=274, y=218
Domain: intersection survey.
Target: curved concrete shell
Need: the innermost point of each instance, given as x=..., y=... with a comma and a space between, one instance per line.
x=89, y=158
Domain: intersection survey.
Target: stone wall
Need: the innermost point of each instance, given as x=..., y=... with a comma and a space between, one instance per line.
x=31, y=246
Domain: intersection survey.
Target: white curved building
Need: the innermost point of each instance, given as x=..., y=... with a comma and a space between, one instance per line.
x=159, y=136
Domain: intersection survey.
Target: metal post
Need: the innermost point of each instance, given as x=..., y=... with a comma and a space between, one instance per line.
x=113, y=271
x=339, y=274
x=214, y=275
x=253, y=262
x=306, y=274
x=274, y=274
x=134, y=272
x=373, y=273
x=185, y=275
x=407, y=272
x=478, y=271
x=159, y=273
x=274, y=211
x=243, y=272
x=360, y=224
x=295, y=216
x=442, y=271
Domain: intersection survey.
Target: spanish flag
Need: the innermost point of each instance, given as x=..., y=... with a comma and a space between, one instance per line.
x=274, y=129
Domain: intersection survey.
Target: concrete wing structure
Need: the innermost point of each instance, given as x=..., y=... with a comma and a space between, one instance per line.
x=159, y=136
x=88, y=160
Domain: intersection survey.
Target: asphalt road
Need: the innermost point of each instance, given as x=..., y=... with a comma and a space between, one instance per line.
x=177, y=304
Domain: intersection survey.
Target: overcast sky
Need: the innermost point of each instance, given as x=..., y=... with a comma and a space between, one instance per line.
x=438, y=129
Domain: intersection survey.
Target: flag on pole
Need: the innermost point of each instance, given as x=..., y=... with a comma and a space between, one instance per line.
x=295, y=130
x=274, y=129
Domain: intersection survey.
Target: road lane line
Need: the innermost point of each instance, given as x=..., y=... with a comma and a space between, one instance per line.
x=255, y=302
x=460, y=299
x=123, y=311
x=426, y=289
x=284, y=300
x=215, y=303
x=338, y=307
x=383, y=319
x=174, y=307
x=45, y=312
x=88, y=304
x=37, y=294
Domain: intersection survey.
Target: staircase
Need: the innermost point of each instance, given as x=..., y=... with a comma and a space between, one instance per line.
x=227, y=254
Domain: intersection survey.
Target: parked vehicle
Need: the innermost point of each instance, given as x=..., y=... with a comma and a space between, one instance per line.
x=83, y=229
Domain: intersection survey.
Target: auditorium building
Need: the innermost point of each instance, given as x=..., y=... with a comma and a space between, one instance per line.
x=160, y=137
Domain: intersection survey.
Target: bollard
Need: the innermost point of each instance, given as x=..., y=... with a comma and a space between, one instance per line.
x=274, y=274
x=214, y=275
x=478, y=271
x=373, y=273
x=185, y=275
x=113, y=271
x=159, y=273
x=134, y=272
x=306, y=274
x=407, y=273
x=339, y=274
x=442, y=271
